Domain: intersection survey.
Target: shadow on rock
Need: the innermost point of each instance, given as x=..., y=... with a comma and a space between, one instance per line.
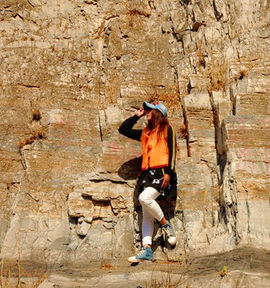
x=130, y=169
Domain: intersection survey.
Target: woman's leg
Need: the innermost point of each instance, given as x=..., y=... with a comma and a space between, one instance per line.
x=148, y=202
x=147, y=228
x=151, y=211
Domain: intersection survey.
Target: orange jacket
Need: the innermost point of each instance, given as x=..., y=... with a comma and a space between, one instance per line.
x=155, y=154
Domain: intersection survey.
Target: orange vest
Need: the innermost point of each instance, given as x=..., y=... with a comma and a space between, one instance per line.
x=155, y=154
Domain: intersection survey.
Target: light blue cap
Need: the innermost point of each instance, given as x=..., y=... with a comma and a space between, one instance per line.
x=157, y=106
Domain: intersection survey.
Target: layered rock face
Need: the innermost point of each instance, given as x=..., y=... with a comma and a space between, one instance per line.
x=72, y=71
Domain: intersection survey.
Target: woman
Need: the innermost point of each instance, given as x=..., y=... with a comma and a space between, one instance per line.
x=158, y=164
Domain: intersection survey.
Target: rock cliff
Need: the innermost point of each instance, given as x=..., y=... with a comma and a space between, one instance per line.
x=73, y=70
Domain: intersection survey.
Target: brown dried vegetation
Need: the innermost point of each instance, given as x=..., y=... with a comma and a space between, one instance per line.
x=183, y=131
x=217, y=76
x=37, y=131
x=37, y=134
x=134, y=12
x=170, y=98
x=201, y=55
x=109, y=266
x=223, y=272
x=167, y=280
x=36, y=115
x=243, y=73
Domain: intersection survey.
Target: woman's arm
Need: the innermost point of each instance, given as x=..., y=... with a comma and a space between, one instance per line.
x=126, y=128
x=172, y=151
x=172, y=155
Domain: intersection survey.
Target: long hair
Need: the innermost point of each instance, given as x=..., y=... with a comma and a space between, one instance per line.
x=159, y=122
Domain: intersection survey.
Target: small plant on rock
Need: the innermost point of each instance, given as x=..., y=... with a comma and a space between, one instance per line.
x=223, y=272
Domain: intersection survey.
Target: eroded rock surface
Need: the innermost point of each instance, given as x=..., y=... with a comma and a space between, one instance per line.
x=73, y=70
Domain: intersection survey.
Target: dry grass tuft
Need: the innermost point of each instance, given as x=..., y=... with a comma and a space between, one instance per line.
x=135, y=12
x=109, y=266
x=217, y=84
x=183, y=131
x=170, y=98
x=37, y=134
x=217, y=75
x=165, y=281
x=36, y=115
x=243, y=73
x=223, y=272
x=201, y=55
x=202, y=62
x=215, y=69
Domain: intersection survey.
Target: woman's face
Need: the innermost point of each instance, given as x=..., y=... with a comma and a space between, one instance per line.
x=149, y=115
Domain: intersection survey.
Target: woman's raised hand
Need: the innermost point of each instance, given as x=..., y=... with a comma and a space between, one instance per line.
x=140, y=112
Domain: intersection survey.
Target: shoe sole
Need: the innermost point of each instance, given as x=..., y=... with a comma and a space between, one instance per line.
x=138, y=260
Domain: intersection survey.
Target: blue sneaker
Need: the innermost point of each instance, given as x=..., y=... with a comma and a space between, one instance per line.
x=169, y=233
x=145, y=254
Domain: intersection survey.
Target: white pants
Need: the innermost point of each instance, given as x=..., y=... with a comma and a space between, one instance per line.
x=151, y=211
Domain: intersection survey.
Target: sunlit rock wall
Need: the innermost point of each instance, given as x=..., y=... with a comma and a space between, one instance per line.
x=71, y=71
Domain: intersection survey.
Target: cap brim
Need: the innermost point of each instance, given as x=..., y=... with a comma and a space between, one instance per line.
x=147, y=105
